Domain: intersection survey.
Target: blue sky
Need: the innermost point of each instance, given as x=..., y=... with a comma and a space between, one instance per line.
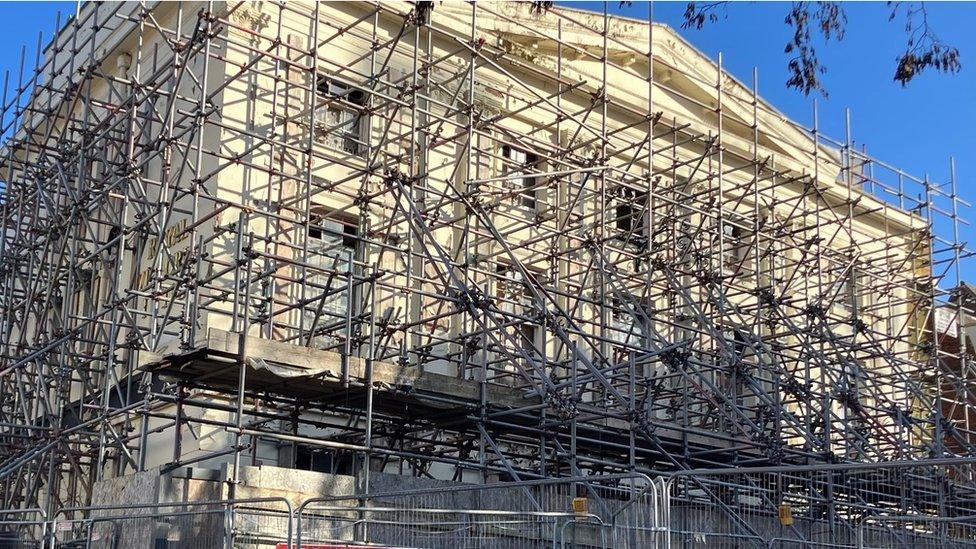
x=916, y=128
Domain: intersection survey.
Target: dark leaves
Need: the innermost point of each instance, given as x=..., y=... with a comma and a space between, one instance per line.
x=941, y=58
x=697, y=14
x=832, y=20
x=923, y=49
x=421, y=12
x=539, y=6
x=829, y=19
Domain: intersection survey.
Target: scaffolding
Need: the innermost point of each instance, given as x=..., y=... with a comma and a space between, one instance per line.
x=456, y=240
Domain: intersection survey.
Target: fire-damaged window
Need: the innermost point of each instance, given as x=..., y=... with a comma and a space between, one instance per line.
x=627, y=331
x=630, y=209
x=520, y=167
x=323, y=460
x=735, y=244
x=849, y=288
x=628, y=318
x=735, y=342
x=329, y=296
x=340, y=116
x=515, y=298
x=630, y=214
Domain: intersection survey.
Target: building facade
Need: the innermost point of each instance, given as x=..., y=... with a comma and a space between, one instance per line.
x=472, y=243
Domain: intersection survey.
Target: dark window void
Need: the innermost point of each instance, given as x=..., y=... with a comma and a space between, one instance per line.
x=331, y=253
x=630, y=210
x=322, y=461
x=339, y=115
x=520, y=167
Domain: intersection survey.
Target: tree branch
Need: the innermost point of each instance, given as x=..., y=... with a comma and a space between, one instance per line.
x=805, y=67
x=698, y=13
x=924, y=48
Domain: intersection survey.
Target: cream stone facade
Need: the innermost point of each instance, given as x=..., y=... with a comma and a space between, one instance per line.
x=469, y=242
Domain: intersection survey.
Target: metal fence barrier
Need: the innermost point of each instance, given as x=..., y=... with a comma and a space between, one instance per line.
x=917, y=531
x=243, y=523
x=433, y=528
x=599, y=511
x=888, y=504
x=930, y=504
x=23, y=528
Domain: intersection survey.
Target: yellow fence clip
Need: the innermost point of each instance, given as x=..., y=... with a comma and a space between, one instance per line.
x=580, y=506
x=786, y=515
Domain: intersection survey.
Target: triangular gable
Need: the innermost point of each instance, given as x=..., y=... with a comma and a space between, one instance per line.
x=680, y=70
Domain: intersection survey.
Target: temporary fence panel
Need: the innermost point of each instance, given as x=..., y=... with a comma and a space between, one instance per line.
x=260, y=527
x=193, y=525
x=446, y=528
x=612, y=511
x=919, y=531
x=880, y=507
x=22, y=529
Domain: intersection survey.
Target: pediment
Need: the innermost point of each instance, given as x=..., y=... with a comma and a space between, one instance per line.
x=687, y=77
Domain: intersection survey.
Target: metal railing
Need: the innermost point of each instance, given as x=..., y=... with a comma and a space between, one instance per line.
x=917, y=531
x=435, y=528
x=23, y=528
x=924, y=503
x=597, y=511
x=218, y=524
x=930, y=503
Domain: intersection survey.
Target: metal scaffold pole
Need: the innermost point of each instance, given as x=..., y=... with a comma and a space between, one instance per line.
x=478, y=243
